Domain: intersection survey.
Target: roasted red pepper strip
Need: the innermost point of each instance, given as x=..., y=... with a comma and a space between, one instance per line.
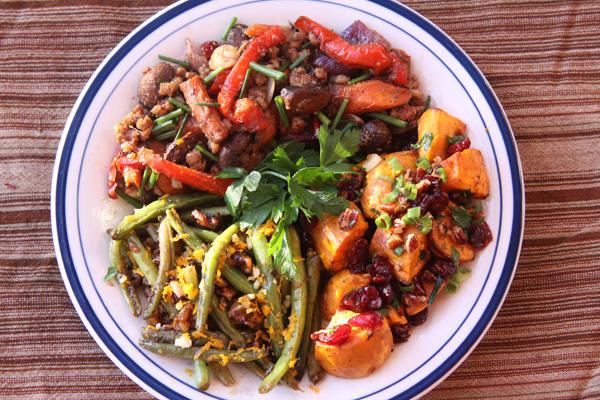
x=248, y=113
x=400, y=70
x=196, y=179
x=112, y=175
x=217, y=84
x=370, y=55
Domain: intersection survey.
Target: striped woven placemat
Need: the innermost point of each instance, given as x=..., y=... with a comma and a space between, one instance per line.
x=541, y=57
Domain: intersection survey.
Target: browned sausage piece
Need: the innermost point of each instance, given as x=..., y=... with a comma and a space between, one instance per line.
x=207, y=117
x=305, y=99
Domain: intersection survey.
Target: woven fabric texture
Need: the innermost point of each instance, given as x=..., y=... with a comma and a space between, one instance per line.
x=541, y=57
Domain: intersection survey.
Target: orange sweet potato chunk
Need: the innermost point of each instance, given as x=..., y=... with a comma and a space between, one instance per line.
x=466, y=171
x=441, y=126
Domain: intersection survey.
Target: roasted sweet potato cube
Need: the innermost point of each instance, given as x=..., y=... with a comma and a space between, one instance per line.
x=441, y=126
x=442, y=242
x=466, y=171
x=334, y=238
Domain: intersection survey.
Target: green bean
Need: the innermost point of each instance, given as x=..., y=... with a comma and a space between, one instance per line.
x=165, y=245
x=222, y=320
x=188, y=236
x=204, y=234
x=216, y=210
x=259, y=370
x=222, y=373
x=210, y=355
x=265, y=264
x=237, y=279
x=201, y=374
x=209, y=274
x=156, y=208
x=161, y=335
x=129, y=293
x=313, y=272
x=298, y=313
x=142, y=258
x=315, y=372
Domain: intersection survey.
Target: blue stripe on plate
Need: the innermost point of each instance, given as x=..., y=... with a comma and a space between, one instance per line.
x=405, y=12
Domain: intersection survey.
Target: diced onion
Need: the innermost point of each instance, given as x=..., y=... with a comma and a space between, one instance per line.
x=371, y=162
x=224, y=56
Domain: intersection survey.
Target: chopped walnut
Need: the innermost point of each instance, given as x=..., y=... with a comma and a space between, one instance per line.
x=162, y=108
x=170, y=88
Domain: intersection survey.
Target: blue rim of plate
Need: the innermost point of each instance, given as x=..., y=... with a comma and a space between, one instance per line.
x=148, y=27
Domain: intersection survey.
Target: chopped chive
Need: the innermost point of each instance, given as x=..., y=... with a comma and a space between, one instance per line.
x=182, y=126
x=184, y=64
x=145, y=177
x=270, y=72
x=281, y=110
x=284, y=66
x=207, y=104
x=179, y=104
x=427, y=103
x=166, y=135
x=245, y=84
x=168, y=117
x=323, y=118
x=152, y=180
x=210, y=77
x=347, y=126
x=299, y=60
x=228, y=28
x=164, y=127
x=360, y=78
x=131, y=200
x=400, y=123
x=207, y=153
x=340, y=112
x=436, y=288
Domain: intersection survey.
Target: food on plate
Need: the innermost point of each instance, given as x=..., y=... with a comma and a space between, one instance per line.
x=298, y=203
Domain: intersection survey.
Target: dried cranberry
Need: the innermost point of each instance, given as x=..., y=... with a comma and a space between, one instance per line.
x=460, y=146
x=208, y=48
x=401, y=333
x=481, y=235
x=333, y=337
x=443, y=268
x=387, y=294
x=419, y=318
x=307, y=227
x=366, y=298
x=434, y=202
x=359, y=259
x=348, y=218
x=350, y=186
x=369, y=320
x=380, y=270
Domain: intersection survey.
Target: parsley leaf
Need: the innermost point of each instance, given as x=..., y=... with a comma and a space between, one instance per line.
x=111, y=273
x=461, y=217
x=232, y=172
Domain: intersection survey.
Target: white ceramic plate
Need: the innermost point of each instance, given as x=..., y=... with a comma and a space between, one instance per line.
x=81, y=211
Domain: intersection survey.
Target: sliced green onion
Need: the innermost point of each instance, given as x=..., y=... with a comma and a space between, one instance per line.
x=436, y=288
x=395, y=164
x=152, y=180
x=166, y=135
x=410, y=191
x=340, y=112
x=400, y=123
x=299, y=60
x=182, y=126
x=383, y=221
x=184, y=64
x=413, y=212
x=131, y=200
x=168, y=117
x=442, y=173
x=207, y=153
x=266, y=71
x=145, y=177
x=389, y=198
x=424, y=163
x=179, y=104
x=207, y=104
x=323, y=118
x=228, y=28
x=427, y=103
x=213, y=74
x=245, y=84
x=407, y=289
x=165, y=126
x=398, y=250
x=360, y=78
x=281, y=110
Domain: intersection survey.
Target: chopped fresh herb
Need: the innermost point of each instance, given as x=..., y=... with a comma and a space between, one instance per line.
x=456, y=139
x=478, y=207
x=383, y=221
x=207, y=153
x=410, y=191
x=299, y=60
x=413, y=217
x=436, y=288
x=145, y=177
x=266, y=71
x=413, y=213
x=184, y=64
x=461, y=217
x=459, y=277
x=427, y=103
x=168, y=117
x=365, y=75
x=231, y=24
x=164, y=127
x=281, y=110
x=395, y=164
x=424, y=163
x=478, y=221
x=397, y=122
x=200, y=103
x=232, y=172
x=166, y=135
x=383, y=177
x=245, y=84
x=406, y=289
x=455, y=257
x=323, y=118
x=340, y=112
x=398, y=250
x=182, y=126
x=442, y=174
x=179, y=104
x=390, y=198
x=426, y=224
x=213, y=74
x=152, y=180
x=424, y=142
x=111, y=273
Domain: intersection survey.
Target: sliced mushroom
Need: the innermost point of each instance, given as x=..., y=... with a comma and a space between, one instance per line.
x=150, y=83
x=305, y=99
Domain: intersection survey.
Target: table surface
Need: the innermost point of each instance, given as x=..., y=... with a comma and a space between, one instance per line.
x=542, y=59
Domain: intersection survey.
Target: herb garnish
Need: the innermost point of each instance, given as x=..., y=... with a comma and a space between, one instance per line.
x=413, y=217
x=424, y=142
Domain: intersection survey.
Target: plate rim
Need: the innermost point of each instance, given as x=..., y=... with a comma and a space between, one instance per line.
x=474, y=336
